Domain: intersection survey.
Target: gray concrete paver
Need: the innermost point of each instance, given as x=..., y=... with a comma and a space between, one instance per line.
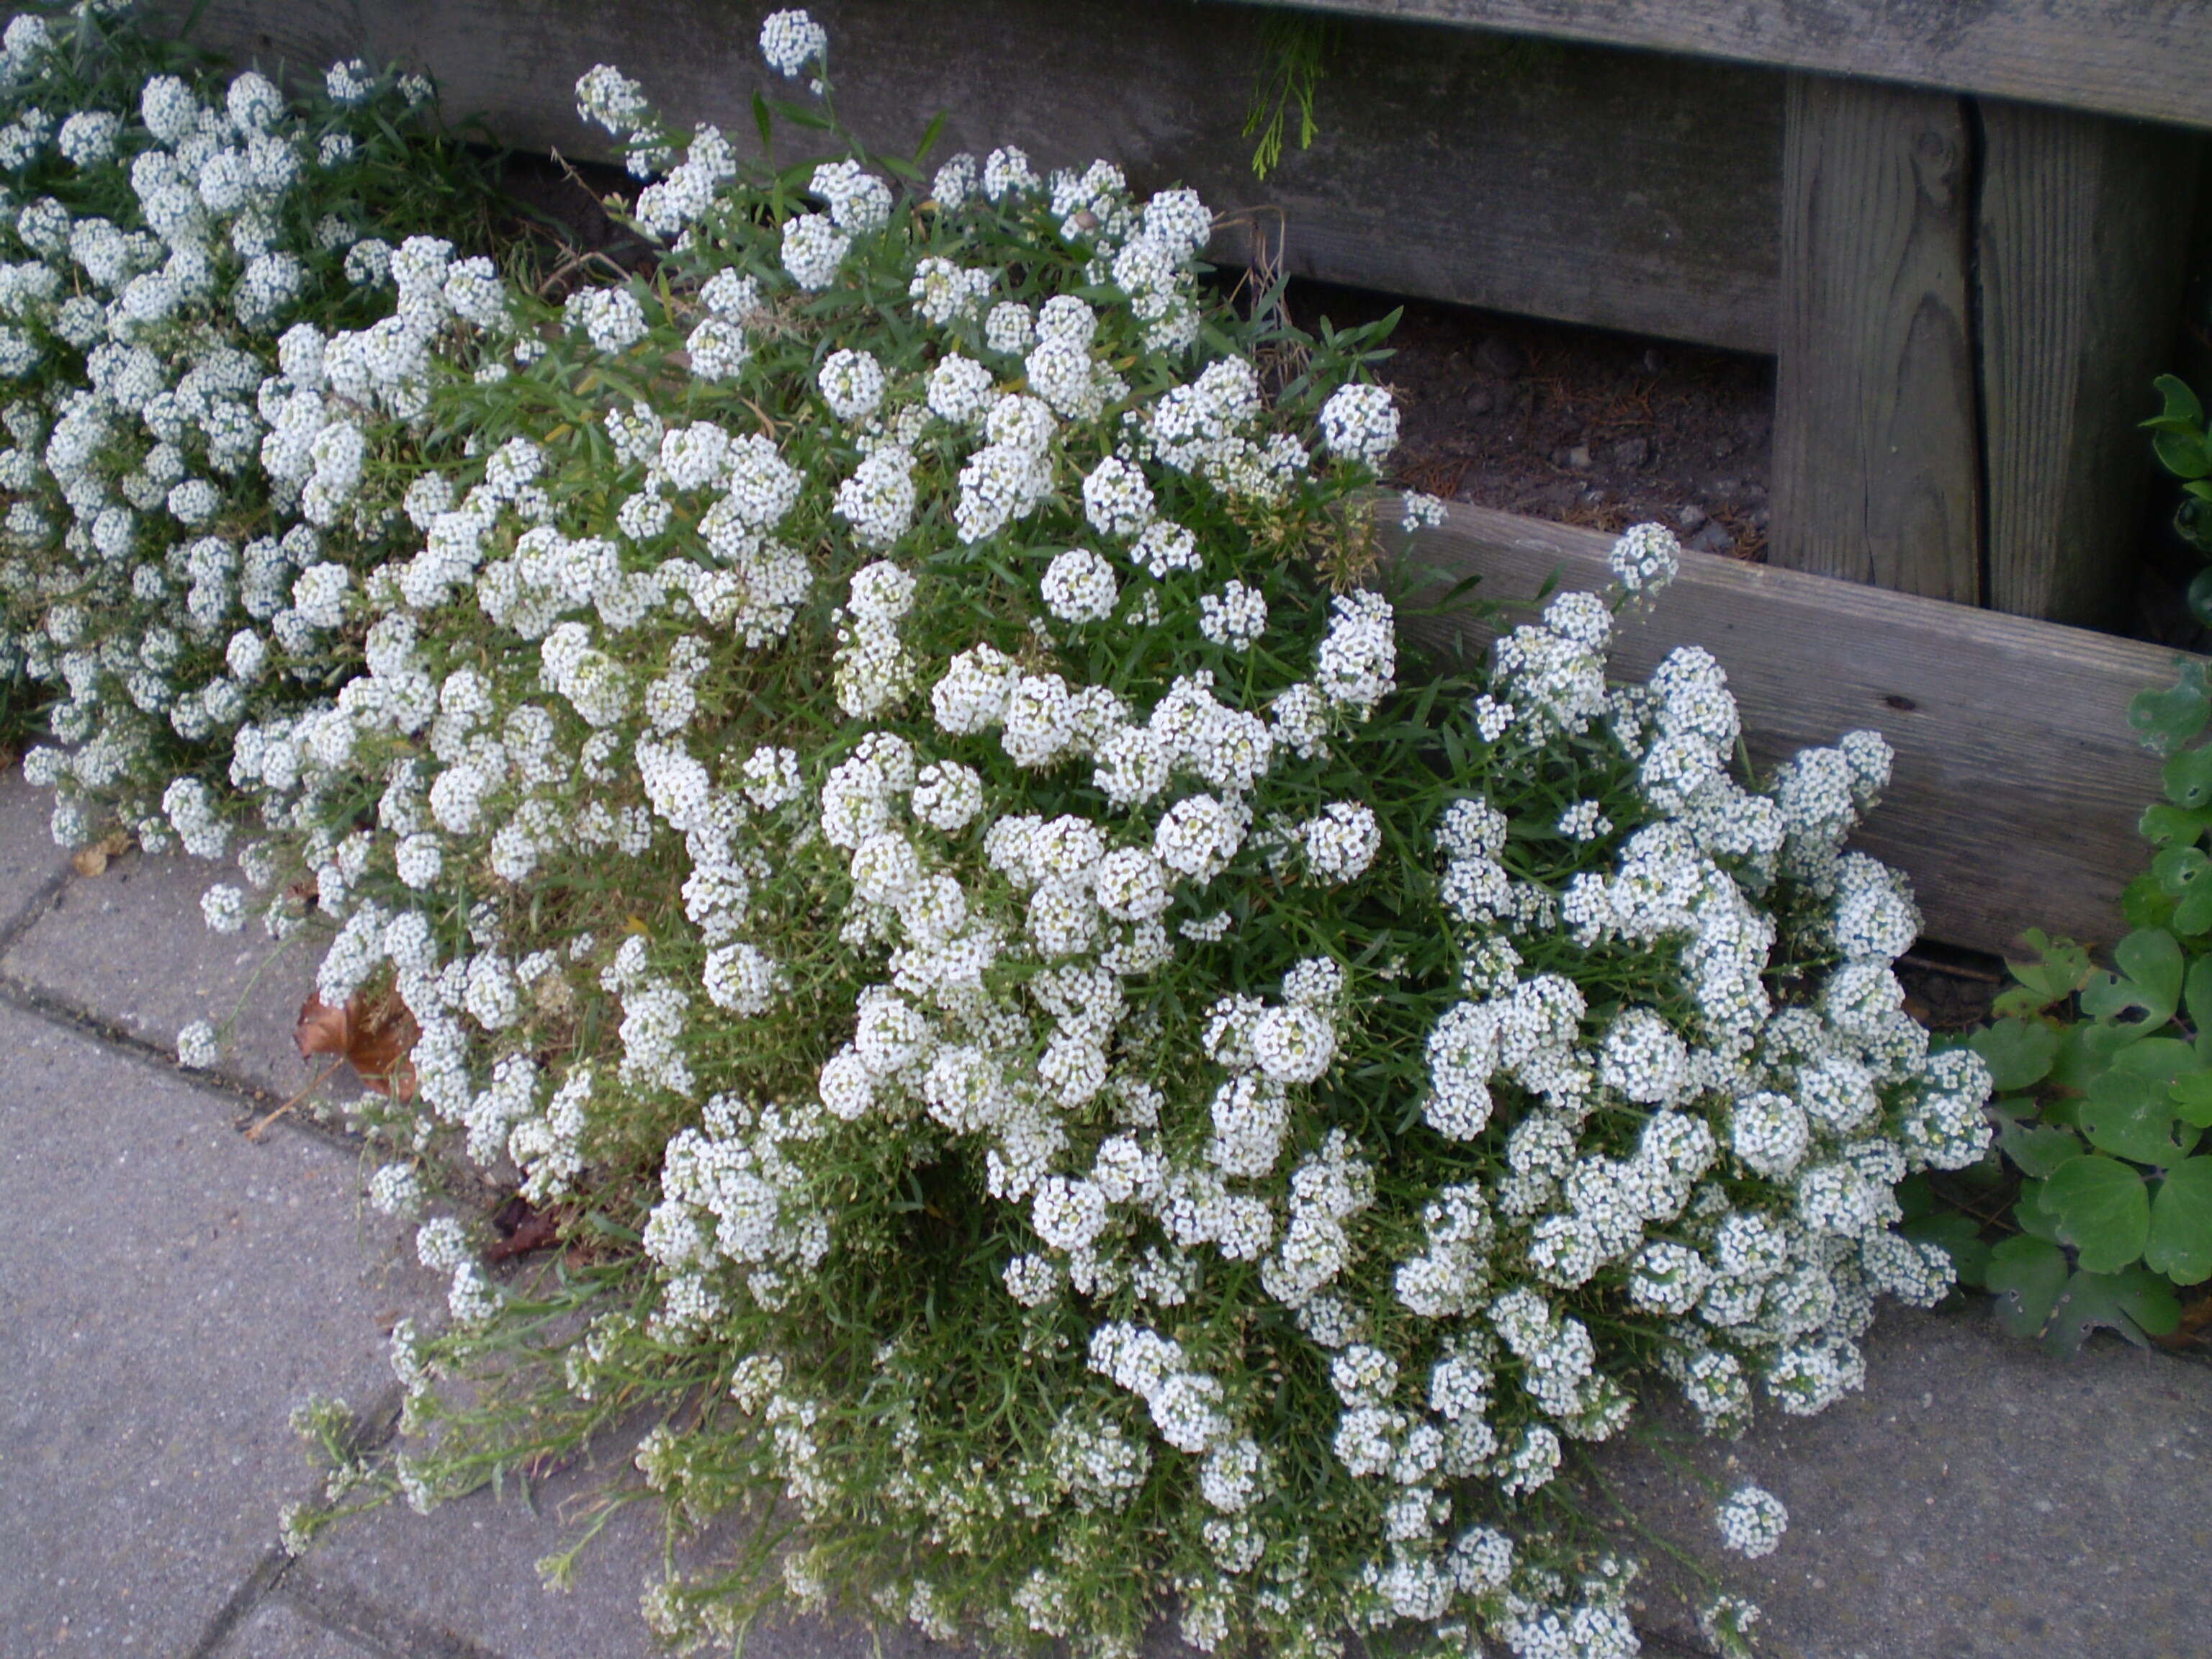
x=468, y=1574
x=28, y=857
x=277, y=1630
x=172, y=1290
x=1980, y=1499
x=130, y=949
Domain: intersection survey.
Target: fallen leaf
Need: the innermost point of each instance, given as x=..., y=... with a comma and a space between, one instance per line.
x=522, y=1228
x=373, y=1035
x=94, y=860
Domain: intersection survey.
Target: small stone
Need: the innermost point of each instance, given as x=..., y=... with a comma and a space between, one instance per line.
x=1691, y=517
x=1481, y=400
x=1713, y=539
x=1759, y=518
x=1723, y=446
x=1725, y=489
x=1652, y=362
x=1579, y=457
x=1594, y=497
x=1632, y=452
x=1501, y=357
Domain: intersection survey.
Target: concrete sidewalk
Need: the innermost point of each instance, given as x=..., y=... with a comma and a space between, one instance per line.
x=173, y=1290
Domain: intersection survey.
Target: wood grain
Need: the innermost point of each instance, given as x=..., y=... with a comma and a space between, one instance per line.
x=2079, y=257
x=1593, y=187
x=2018, y=782
x=1876, y=464
x=2140, y=58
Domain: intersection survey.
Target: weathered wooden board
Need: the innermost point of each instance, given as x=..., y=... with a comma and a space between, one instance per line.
x=2079, y=257
x=2018, y=783
x=1594, y=187
x=1876, y=447
x=2143, y=57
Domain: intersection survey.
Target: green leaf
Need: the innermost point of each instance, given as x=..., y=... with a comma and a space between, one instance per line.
x=2182, y=872
x=2144, y=902
x=2167, y=720
x=936, y=128
x=764, y=122
x=2197, y=995
x=2191, y=1096
x=2148, y=981
x=2181, y=404
x=2136, y=1304
x=2102, y=1210
x=2187, y=777
x=2161, y=823
x=2037, y=1148
x=2180, y=1242
x=2185, y=454
x=2018, y=1052
x=2027, y=1276
x=2129, y=1110
x=2033, y=1219
x=2060, y=968
x=2199, y=596
x=1961, y=1238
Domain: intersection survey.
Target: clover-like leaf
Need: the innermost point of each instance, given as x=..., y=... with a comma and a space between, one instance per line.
x=2018, y=1052
x=2191, y=1097
x=2060, y=967
x=2180, y=1242
x=2136, y=1304
x=2147, y=981
x=2185, y=454
x=2164, y=823
x=2030, y=1215
x=2183, y=873
x=2188, y=778
x=2037, y=1148
x=2102, y=1209
x=2182, y=411
x=2129, y=1110
x=2027, y=1276
x=1961, y=1238
x=2167, y=720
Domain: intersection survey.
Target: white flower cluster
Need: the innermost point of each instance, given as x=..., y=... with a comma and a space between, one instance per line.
x=873, y=804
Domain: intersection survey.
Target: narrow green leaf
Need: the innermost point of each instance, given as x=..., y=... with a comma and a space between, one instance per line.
x=2180, y=1242
x=2102, y=1210
x=929, y=138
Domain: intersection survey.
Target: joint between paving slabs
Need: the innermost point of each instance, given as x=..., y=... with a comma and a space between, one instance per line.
x=288, y=1581
x=251, y=1104
x=27, y=916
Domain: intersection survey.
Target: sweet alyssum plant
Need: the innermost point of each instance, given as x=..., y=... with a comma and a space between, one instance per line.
x=166, y=490
x=872, y=768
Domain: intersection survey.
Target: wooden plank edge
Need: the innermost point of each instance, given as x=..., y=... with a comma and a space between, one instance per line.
x=2019, y=782
x=2147, y=64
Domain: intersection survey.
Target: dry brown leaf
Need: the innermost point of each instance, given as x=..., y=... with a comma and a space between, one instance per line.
x=373, y=1035
x=94, y=860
